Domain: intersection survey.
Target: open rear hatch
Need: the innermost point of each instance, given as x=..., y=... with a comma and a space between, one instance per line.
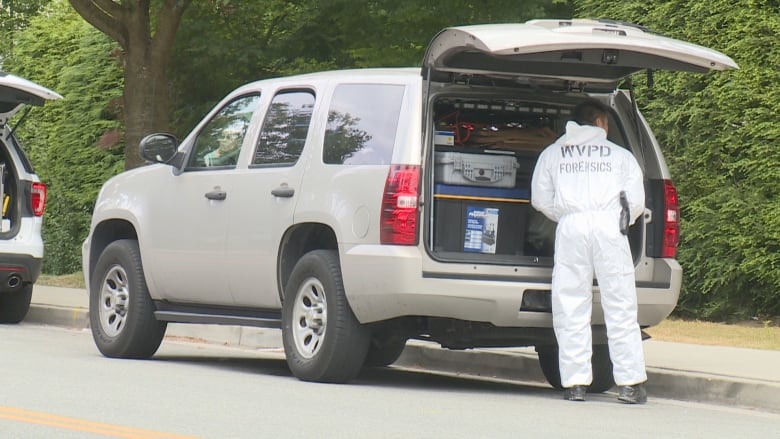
x=499, y=94
x=15, y=93
x=599, y=53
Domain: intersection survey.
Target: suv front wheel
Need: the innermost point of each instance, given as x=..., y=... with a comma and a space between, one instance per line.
x=323, y=341
x=121, y=312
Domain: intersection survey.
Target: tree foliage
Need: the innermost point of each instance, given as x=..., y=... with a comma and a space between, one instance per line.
x=720, y=133
x=224, y=44
x=15, y=16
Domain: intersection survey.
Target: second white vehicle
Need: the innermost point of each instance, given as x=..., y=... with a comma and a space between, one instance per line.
x=22, y=201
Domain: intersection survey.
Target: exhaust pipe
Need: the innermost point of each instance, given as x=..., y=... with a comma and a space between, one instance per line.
x=14, y=280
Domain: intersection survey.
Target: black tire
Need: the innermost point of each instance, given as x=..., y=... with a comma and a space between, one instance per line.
x=384, y=351
x=323, y=341
x=14, y=306
x=121, y=312
x=602, y=370
x=600, y=361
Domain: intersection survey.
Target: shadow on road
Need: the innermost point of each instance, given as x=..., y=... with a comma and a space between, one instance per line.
x=273, y=364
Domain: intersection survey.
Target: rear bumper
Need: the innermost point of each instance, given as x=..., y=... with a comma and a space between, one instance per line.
x=385, y=282
x=16, y=270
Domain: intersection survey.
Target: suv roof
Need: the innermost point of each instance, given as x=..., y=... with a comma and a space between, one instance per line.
x=594, y=52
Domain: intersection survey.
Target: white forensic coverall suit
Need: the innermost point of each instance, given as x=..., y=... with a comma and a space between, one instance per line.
x=577, y=183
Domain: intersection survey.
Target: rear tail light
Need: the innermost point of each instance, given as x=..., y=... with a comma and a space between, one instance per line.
x=38, y=199
x=398, y=221
x=671, y=221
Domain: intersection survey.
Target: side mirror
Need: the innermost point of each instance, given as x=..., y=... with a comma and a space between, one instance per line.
x=158, y=148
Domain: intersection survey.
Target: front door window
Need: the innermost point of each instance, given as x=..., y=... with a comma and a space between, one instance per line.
x=219, y=142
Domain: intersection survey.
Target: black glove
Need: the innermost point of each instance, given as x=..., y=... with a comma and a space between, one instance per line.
x=625, y=213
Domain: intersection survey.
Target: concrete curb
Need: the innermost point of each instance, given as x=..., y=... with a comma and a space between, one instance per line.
x=714, y=389
x=485, y=363
x=73, y=318
x=519, y=365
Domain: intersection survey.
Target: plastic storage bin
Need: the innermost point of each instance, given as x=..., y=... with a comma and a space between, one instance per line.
x=488, y=221
x=460, y=168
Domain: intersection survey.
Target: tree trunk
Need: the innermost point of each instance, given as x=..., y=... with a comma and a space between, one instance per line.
x=146, y=102
x=146, y=57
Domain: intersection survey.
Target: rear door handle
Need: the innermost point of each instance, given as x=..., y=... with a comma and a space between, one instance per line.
x=283, y=191
x=216, y=194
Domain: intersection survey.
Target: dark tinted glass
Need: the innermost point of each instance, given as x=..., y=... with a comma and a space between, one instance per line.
x=285, y=128
x=362, y=124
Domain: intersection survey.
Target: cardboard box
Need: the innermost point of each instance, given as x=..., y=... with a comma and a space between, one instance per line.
x=444, y=138
x=481, y=229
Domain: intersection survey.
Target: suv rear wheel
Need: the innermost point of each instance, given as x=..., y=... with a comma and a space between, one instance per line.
x=600, y=362
x=14, y=306
x=121, y=312
x=323, y=341
x=384, y=351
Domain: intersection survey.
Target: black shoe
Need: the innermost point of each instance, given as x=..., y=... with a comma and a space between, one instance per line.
x=575, y=393
x=635, y=394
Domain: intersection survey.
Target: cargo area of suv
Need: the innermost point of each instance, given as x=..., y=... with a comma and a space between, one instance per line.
x=485, y=149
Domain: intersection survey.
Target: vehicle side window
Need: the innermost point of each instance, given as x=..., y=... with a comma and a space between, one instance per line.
x=284, y=131
x=362, y=123
x=219, y=142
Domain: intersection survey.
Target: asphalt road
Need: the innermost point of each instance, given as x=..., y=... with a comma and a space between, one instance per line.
x=54, y=384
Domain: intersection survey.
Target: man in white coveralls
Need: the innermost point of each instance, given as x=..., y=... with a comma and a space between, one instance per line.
x=577, y=183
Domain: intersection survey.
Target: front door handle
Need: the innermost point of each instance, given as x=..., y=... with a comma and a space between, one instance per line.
x=216, y=194
x=283, y=191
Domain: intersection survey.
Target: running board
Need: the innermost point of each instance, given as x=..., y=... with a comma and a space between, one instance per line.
x=187, y=313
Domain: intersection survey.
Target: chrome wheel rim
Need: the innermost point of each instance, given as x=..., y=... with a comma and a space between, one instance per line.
x=114, y=295
x=309, y=318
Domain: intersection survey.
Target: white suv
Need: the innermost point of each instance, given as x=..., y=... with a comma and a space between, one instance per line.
x=358, y=209
x=22, y=202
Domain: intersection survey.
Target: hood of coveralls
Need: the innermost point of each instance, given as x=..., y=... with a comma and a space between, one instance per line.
x=577, y=134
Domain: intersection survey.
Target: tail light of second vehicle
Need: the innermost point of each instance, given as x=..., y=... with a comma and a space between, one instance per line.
x=38, y=199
